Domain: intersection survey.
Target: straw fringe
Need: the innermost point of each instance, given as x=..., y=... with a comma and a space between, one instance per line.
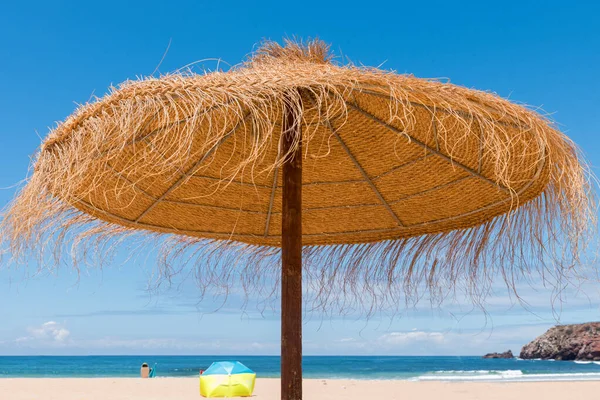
x=545, y=235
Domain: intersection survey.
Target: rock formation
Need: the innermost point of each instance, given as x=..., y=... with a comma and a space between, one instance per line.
x=506, y=354
x=566, y=342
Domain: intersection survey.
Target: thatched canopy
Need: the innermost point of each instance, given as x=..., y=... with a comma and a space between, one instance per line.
x=407, y=179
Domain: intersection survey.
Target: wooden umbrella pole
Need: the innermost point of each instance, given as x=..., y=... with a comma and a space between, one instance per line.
x=291, y=260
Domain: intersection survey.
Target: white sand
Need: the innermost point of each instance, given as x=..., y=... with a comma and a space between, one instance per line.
x=268, y=389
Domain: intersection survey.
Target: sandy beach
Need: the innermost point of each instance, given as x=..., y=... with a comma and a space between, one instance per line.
x=268, y=389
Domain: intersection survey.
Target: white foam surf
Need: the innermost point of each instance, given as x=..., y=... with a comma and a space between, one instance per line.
x=506, y=376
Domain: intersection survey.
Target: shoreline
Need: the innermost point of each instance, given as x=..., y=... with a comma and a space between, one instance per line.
x=499, y=377
x=185, y=388
x=567, y=379
x=410, y=380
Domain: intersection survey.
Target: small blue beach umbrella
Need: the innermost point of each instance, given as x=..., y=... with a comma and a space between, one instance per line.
x=227, y=379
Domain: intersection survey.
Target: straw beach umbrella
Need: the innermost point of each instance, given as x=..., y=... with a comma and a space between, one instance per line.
x=368, y=181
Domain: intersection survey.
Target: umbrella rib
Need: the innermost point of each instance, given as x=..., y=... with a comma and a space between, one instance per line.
x=428, y=148
x=193, y=168
x=406, y=164
x=271, y=201
x=364, y=173
x=366, y=177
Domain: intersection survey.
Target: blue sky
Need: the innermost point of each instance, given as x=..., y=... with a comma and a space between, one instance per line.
x=57, y=54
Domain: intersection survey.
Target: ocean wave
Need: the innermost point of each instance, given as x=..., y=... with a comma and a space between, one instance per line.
x=507, y=376
x=582, y=362
x=480, y=372
x=470, y=375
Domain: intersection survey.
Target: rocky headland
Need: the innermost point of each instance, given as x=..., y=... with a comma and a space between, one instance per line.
x=566, y=342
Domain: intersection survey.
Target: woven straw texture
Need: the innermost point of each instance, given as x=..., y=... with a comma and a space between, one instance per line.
x=386, y=158
x=366, y=178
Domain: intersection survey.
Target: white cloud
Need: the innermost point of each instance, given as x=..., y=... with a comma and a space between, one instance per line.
x=420, y=341
x=406, y=338
x=52, y=337
x=51, y=330
x=48, y=333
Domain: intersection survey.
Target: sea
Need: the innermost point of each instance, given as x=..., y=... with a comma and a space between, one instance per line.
x=411, y=368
